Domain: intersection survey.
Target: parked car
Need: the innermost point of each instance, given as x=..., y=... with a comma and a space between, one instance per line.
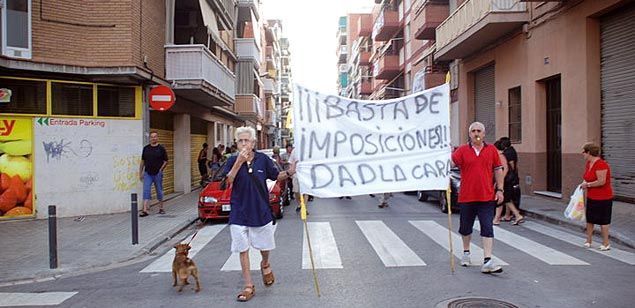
x=440, y=195
x=214, y=203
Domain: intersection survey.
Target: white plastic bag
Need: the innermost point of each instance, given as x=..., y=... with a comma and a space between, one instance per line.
x=576, y=208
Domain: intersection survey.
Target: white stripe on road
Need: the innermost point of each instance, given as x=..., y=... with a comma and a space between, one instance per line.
x=325, y=253
x=204, y=236
x=536, y=250
x=233, y=262
x=388, y=246
x=617, y=254
x=439, y=234
x=34, y=299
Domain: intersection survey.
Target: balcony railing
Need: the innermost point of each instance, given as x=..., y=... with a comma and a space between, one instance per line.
x=270, y=86
x=249, y=107
x=253, y=4
x=247, y=49
x=194, y=67
x=272, y=118
x=476, y=24
x=386, y=67
x=430, y=14
x=366, y=86
x=386, y=25
x=364, y=57
x=365, y=26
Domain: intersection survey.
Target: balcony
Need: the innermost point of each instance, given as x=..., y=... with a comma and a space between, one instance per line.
x=271, y=57
x=386, y=25
x=365, y=25
x=247, y=49
x=476, y=24
x=364, y=58
x=342, y=54
x=252, y=4
x=249, y=107
x=226, y=13
x=199, y=76
x=270, y=86
x=386, y=67
x=271, y=119
x=430, y=14
x=366, y=87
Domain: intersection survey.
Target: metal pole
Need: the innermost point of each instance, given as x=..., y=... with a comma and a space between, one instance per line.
x=134, y=218
x=53, y=261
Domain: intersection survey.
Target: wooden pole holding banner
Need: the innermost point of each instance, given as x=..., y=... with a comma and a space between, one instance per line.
x=308, y=240
x=448, y=196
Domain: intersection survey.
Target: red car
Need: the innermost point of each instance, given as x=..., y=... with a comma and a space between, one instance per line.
x=213, y=203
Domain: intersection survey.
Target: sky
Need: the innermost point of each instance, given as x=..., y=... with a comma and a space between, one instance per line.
x=311, y=27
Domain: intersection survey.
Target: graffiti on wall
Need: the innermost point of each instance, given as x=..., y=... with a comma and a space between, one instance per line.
x=63, y=149
x=126, y=172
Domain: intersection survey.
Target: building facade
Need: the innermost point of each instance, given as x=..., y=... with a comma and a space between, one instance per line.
x=74, y=83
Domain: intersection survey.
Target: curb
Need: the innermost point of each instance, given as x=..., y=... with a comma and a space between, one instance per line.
x=615, y=236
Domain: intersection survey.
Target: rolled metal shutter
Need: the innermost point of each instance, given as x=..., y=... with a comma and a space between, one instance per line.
x=618, y=99
x=485, y=101
x=166, y=139
x=196, y=146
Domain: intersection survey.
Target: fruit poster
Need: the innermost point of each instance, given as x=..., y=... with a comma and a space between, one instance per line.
x=16, y=167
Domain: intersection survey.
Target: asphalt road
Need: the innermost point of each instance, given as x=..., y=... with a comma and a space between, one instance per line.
x=366, y=257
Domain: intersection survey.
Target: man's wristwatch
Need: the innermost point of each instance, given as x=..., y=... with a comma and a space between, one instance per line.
x=498, y=189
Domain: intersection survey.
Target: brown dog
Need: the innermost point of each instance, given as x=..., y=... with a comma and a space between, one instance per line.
x=183, y=267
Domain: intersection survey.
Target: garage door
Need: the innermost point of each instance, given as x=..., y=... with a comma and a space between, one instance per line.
x=484, y=101
x=196, y=146
x=618, y=99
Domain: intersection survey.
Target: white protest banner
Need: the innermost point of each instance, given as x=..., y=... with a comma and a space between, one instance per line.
x=352, y=147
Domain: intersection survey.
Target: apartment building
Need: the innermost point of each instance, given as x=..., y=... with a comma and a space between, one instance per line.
x=286, y=90
x=551, y=75
x=75, y=78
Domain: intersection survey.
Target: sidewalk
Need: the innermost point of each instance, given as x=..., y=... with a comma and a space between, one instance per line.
x=89, y=242
x=100, y=241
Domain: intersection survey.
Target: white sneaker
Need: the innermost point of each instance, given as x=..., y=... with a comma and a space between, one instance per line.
x=490, y=267
x=587, y=245
x=605, y=248
x=465, y=259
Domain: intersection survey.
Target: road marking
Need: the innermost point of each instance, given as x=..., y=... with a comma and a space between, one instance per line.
x=439, y=234
x=392, y=251
x=34, y=299
x=233, y=262
x=204, y=236
x=617, y=254
x=325, y=252
x=536, y=250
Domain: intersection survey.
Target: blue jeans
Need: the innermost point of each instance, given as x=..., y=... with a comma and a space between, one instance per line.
x=485, y=212
x=148, y=180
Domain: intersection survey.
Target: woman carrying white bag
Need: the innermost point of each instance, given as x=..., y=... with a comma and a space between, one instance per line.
x=599, y=195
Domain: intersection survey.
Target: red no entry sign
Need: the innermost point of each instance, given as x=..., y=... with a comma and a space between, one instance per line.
x=162, y=98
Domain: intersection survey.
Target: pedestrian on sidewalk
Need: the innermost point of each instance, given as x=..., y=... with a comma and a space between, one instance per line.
x=250, y=218
x=599, y=195
x=479, y=164
x=202, y=164
x=511, y=183
x=499, y=207
x=154, y=158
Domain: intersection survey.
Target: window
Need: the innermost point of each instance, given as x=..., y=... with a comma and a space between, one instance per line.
x=27, y=96
x=515, y=118
x=16, y=28
x=115, y=101
x=72, y=99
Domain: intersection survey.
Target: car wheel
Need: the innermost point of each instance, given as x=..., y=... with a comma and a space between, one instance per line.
x=443, y=202
x=421, y=196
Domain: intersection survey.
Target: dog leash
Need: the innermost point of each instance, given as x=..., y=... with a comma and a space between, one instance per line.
x=192, y=237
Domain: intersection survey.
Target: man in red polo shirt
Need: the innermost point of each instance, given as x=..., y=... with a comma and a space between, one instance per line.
x=479, y=163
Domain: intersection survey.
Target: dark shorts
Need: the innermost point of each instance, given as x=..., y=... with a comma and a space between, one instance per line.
x=202, y=168
x=485, y=212
x=598, y=212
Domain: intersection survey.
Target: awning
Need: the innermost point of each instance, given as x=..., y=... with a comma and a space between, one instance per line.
x=209, y=19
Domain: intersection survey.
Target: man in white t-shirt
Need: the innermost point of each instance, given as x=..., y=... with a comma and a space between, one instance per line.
x=293, y=161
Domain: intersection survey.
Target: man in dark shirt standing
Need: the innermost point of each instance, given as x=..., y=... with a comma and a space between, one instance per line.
x=153, y=160
x=479, y=163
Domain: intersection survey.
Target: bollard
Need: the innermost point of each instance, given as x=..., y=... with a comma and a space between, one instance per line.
x=135, y=219
x=53, y=262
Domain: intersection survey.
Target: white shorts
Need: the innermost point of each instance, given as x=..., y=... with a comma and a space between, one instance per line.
x=261, y=238
x=296, y=184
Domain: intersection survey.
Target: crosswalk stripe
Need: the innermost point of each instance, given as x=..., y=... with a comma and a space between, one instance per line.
x=537, y=250
x=392, y=251
x=439, y=234
x=233, y=262
x=34, y=299
x=204, y=236
x=325, y=252
x=617, y=254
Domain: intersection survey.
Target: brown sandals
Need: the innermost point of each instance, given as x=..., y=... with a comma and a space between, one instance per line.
x=267, y=279
x=246, y=294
